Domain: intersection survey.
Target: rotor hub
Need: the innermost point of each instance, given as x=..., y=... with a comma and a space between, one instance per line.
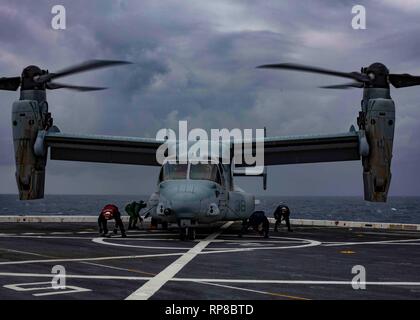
x=378, y=74
x=29, y=76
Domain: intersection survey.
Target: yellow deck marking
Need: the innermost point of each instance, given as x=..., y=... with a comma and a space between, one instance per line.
x=347, y=252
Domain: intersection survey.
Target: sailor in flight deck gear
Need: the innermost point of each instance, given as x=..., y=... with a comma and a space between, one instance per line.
x=258, y=221
x=282, y=212
x=133, y=210
x=110, y=212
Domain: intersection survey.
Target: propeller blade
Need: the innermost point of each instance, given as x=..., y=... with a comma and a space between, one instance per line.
x=56, y=85
x=404, y=80
x=85, y=66
x=344, y=86
x=298, y=67
x=10, y=84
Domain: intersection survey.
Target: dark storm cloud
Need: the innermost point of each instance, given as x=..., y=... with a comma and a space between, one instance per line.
x=196, y=60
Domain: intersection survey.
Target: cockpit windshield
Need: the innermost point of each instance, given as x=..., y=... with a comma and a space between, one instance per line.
x=173, y=171
x=205, y=172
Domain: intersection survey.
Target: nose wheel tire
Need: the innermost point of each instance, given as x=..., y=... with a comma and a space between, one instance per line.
x=187, y=234
x=191, y=233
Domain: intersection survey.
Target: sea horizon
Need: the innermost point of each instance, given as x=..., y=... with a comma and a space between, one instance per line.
x=398, y=209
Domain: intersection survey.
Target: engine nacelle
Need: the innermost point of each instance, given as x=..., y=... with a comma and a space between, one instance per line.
x=28, y=118
x=379, y=124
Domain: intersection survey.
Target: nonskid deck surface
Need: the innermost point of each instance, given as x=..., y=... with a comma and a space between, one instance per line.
x=309, y=263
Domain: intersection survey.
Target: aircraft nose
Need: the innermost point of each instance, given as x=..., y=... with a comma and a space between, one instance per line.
x=186, y=198
x=186, y=206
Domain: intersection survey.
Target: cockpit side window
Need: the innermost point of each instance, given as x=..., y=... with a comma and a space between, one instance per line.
x=160, y=175
x=205, y=172
x=173, y=171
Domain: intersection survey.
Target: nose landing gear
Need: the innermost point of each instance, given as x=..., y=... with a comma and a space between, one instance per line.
x=187, y=233
x=187, y=229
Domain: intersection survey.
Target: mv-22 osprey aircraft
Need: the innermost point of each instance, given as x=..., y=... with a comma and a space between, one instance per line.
x=192, y=194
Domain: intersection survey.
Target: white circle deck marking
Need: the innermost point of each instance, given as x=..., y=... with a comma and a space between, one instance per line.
x=251, y=244
x=102, y=241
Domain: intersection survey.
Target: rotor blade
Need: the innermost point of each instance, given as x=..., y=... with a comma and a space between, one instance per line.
x=298, y=67
x=55, y=85
x=404, y=80
x=10, y=84
x=83, y=67
x=344, y=86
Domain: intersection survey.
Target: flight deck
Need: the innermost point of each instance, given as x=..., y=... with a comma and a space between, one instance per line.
x=309, y=263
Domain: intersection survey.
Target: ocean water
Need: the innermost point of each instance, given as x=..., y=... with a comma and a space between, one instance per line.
x=397, y=209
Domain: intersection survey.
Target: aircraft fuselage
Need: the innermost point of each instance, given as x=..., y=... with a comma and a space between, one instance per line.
x=193, y=194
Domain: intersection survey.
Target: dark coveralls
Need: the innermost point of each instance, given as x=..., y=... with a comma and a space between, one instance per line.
x=110, y=212
x=133, y=210
x=282, y=213
x=256, y=220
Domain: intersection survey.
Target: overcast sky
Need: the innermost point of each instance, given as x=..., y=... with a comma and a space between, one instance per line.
x=195, y=61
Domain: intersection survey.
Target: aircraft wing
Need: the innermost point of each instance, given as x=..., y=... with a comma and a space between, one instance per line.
x=142, y=151
x=105, y=149
x=308, y=148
